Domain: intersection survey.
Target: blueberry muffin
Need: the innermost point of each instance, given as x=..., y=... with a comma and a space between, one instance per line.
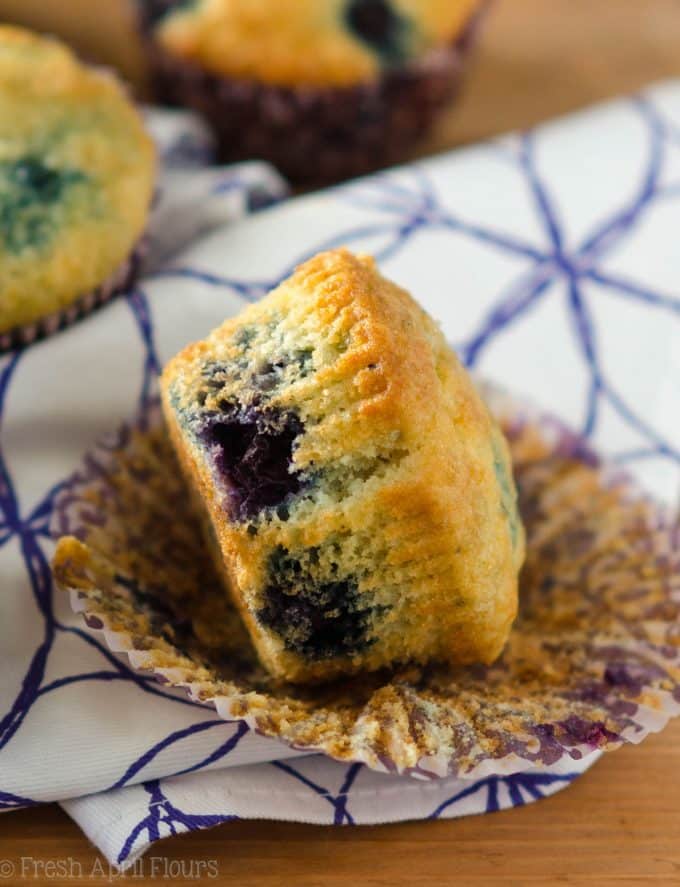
x=76, y=178
x=358, y=495
x=322, y=88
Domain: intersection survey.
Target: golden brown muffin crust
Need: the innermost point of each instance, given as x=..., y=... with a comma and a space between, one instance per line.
x=310, y=42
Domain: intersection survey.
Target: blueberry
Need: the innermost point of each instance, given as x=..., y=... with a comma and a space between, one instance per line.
x=29, y=192
x=252, y=451
x=378, y=24
x=32, y=176
x=317, y=616
x=35, y=182
x=153, y=11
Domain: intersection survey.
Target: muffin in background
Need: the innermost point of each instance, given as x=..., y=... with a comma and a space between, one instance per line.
x=76, y=181
x=324, y=89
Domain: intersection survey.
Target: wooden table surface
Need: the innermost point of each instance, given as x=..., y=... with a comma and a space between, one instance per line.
x=618, y=824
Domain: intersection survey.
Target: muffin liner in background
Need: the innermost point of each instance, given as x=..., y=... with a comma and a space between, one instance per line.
x=122, y=279
x=593, y=660
x=315, y=135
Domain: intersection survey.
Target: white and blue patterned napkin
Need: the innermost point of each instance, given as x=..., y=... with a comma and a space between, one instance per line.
x=551, y=260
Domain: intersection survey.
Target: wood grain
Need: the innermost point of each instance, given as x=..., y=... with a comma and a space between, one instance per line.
x=541, y=58
x=618, y=824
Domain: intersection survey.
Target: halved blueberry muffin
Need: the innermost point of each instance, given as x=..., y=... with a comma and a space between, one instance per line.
x=76, y=179
x=358, y=495
x=324, y=89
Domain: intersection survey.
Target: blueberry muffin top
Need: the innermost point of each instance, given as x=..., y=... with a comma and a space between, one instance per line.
x=308, y=42
x=76, y=177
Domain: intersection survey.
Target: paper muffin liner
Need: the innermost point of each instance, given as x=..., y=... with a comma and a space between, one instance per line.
x=593, y=660
x=119, y=282
x=312, y=134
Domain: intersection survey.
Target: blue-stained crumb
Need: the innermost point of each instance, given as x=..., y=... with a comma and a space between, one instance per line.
x=303, y=357
x=269, y=375
x=508, y=501
x=31, y=194
x=317, y=616
x=244, y=336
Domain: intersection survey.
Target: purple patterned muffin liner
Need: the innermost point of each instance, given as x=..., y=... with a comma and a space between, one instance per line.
x=593, y=660
x=314, y=134
x=119, y=282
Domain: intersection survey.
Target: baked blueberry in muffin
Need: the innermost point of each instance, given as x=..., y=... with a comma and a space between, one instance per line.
x=76, y=176
x=358, y=496
x=323, y=88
